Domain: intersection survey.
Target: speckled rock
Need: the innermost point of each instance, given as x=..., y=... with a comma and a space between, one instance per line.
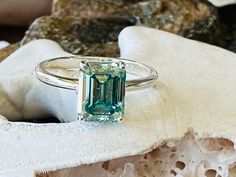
x=89, y=27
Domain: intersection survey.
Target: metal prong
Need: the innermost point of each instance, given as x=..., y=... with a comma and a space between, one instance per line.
x=122, y=65
x=83, y=64
x=81, y=118
x=120, y=119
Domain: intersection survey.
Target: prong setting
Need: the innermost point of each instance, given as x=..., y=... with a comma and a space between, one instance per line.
x=122, y=65
x=83, y=64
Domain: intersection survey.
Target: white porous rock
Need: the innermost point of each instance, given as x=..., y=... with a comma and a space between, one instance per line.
x=22, y=95
x=221, y=3
x=187, y=157
x=183, y=126
x=3, y=44
x=195, y=90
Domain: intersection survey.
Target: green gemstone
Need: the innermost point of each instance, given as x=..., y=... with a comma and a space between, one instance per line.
x=101, y=91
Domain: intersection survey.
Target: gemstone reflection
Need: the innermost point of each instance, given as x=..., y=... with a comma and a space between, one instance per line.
x=101, y=91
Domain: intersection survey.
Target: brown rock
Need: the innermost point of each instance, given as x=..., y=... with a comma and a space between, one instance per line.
x=91, y=27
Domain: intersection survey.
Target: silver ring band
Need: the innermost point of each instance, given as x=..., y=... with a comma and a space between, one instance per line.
x=62, y=72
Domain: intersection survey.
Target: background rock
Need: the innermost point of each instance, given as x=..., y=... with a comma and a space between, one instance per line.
x=90, y=27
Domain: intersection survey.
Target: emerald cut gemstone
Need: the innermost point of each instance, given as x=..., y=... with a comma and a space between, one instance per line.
x=101, y=90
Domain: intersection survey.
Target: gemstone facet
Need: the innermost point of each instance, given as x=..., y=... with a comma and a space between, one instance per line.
x=101, y=90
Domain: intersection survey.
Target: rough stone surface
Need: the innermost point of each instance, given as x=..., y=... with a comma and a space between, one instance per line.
x=188, y=157
x=90, y=27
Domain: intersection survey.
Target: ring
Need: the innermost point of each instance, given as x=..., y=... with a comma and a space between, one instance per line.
x=100, y=83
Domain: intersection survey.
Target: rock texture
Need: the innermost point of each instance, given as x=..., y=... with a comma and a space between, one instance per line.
x=187, y=157
x=89, y=27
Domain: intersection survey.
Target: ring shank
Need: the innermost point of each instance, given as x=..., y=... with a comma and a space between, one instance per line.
x=63, y=72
